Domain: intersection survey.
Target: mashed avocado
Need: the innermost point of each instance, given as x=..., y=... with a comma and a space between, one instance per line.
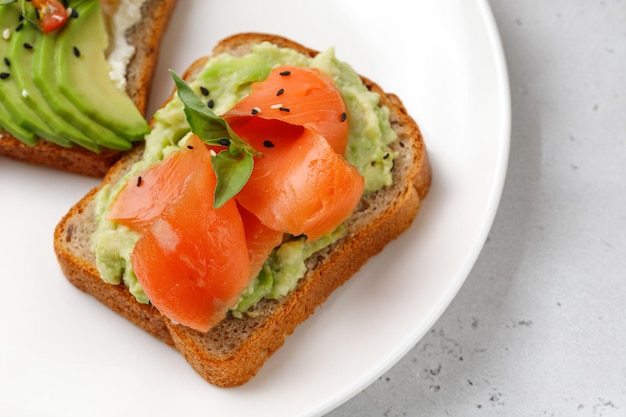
x=227, y=80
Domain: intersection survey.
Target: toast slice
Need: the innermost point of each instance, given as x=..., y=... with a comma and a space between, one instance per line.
x=233, y=351
x=146, y=37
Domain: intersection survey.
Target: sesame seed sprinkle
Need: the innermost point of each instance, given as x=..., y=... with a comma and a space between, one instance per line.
x=211, y=103
x=276, y=106
x=212, y=152
x=224, y=142
x=139, y=180
x=284, y=73
x=6, y=61
x=24, y=93
x=6, y=34
x=76, y=52
x=268, y=144
x=4, y=75
x=256, y=110
x=285, y=109
x=204, y=91
x=344, y=116
x=74, y=13
x=279, y=92
x=189, y=147
x=19, y=26
x=28, y=45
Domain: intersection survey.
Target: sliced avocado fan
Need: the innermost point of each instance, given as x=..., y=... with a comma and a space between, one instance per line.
x=57, y=85
x=83, y=74
x=10, y=95
x=9, y=19
x=44, y=78
x=21, y=64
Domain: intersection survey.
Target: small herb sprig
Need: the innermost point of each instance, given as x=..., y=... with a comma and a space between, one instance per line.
x=232, y=166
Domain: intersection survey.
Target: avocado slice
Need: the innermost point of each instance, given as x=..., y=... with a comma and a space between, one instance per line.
x=44, y=77
x=11, y=95
x=8, y=125
x=82, y=74
x=21, y=64
x=9, y=19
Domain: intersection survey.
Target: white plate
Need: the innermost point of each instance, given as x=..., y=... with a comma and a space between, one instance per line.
x=64, y=354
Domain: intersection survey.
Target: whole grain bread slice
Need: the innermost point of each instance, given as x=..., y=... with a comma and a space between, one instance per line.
x=145, y=36
x=233, y=351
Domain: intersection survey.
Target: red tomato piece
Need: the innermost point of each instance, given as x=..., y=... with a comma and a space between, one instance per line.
x=52, y=14
x=298, y=96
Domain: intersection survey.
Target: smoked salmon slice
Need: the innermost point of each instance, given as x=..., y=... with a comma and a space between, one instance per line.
x=145, y=196
x=191, y=260
x=299, y=185
x=298, y=96
x=260, y=240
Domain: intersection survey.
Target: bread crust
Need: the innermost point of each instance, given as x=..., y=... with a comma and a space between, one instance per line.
x=146, y=37
x=233, y=351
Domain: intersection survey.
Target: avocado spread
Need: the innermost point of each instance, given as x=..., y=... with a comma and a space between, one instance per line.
x=227, y=80
x=56, y=85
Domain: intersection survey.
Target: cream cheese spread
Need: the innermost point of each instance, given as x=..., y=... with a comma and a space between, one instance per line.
x=127, y=14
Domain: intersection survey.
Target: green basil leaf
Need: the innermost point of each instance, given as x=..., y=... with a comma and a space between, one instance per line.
x=232, y=171
x=204, y=123
x=232, y=167
x=211, y=128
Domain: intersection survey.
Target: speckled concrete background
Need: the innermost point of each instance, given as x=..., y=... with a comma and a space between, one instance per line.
x=539, y=328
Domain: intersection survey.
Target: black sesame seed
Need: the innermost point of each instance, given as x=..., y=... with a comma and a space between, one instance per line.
x=386, y=155
x=254, y=111
x=76, y=52
x=4, y=75
x=19, y=26
x=279, y=92
x=74, y=13
x=268, y=144
x=285, y=109
x=204, y=91
x=37, y=13
x=344, y=116
x=283, y=73
x=189, y=147
x=6, y=61
x=139, y=179
x=224, y=142
x=373, y=163
x=28, y=45
x=211, y=103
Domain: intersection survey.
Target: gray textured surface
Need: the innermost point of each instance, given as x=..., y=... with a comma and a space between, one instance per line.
x=539, y=328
